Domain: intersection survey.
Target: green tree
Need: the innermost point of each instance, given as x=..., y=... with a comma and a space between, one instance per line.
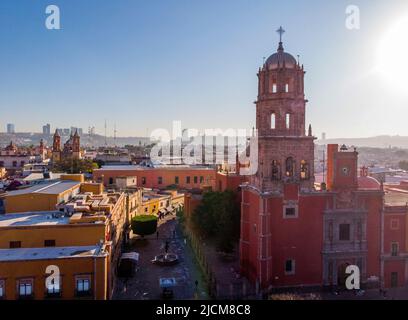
x=144, y=225
x=70, y=165
x=218, y=216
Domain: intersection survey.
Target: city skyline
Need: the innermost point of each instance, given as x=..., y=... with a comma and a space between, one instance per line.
x=163, y=59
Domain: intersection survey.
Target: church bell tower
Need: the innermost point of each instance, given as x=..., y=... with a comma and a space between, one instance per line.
x=285, y=149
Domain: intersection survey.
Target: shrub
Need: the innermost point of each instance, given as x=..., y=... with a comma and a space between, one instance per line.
x=144, y=225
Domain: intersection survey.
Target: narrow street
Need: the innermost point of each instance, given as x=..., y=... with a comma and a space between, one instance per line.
x=145, y=283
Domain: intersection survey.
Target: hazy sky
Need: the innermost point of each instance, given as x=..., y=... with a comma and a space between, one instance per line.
x=142, y=64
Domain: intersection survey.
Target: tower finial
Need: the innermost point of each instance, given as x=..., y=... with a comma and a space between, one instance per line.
x=281, y=31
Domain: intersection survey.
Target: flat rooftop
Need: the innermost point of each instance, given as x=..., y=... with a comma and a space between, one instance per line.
x=49, y=253
x=44, y=218
x=55, y=187
x=396, y=198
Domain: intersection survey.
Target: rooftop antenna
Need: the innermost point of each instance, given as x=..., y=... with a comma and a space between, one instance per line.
x=106, y=141
x=114, y=134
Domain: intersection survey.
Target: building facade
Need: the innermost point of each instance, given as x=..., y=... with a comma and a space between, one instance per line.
x=292, y=233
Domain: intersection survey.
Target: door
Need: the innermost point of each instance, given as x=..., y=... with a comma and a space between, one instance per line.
x=394, y=279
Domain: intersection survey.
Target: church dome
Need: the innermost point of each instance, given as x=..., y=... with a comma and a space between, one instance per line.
x=280, y=58
x=368, y=183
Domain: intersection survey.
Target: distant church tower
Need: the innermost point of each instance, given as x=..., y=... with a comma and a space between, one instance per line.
x=76, y=146
x=285, y=149
x=56, y=147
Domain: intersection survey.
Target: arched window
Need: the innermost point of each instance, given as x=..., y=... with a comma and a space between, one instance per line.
x=275, y=174
x=273, y=120
x=304, y=170
x=287, y=121
x=289, y=167
x=287, y=87
x=274, y=87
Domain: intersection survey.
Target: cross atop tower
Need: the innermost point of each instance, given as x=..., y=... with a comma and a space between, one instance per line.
x=281, y=31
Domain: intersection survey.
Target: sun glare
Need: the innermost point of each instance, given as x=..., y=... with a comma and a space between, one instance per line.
x=392, y=56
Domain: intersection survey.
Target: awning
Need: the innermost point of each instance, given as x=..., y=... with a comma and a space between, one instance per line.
x=130, y=256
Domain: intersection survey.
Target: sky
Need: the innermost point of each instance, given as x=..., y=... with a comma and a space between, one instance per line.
x=142, y=64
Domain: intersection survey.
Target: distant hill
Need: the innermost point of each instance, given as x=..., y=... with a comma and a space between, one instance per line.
x=373, y=142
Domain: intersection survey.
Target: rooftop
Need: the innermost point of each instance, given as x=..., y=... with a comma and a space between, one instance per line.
x=45, y=218
x=49, y=253
x=396, y=198
x=47, y=188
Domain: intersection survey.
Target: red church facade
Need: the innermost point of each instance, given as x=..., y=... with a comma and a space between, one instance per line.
x=295, y=233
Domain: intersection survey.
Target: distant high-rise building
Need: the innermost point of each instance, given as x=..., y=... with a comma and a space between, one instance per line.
x=46, y=129
x=75, y=129
x=11, y=128
x=323, y=135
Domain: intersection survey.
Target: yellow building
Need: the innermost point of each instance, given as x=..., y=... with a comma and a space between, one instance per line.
x=86, y=218
x=83, y=272
x=40, y=197
x=161, y=202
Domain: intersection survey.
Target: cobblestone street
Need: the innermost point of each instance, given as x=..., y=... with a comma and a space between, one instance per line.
x=145, y=283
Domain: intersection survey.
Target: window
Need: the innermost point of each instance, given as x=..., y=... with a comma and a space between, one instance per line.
x=287, y=120
x=201, y=179
x=287, y=87
x=188, y=179
x=25, y=288
x=273, y=121
x=15, y=244
x=110, y=180
x=53, y=289
x=290, y=212
x=143, y=180
x=83, y=286
x=195, y=179
x=49, y=243
x=394, y=249
x=274, y=87
x=2, y=289
x=176, y=180
x=14, y=163
x=289, y=267
x=344, y=232
x=160, y=180
x=394, y=224
x=145, y=209
x=289, y=165
x=275, y=170
x=304, y=170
